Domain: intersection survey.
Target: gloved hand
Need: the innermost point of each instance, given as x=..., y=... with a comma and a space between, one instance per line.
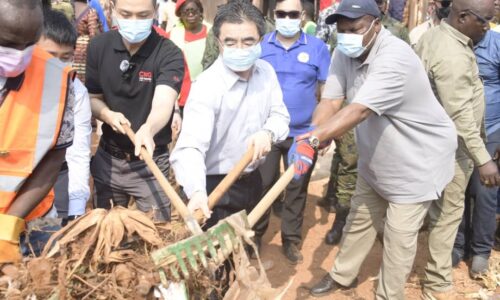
x=199, y=200
x=10, y=230
x=261, y=142
x=301, y=155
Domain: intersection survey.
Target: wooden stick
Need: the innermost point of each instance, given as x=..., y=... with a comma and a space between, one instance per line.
x=266, y=202
x=226, y=183
x=176, y=201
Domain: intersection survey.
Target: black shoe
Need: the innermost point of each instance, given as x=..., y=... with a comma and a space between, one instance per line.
x=327, y=204
x=327, y=285
x=292, y=252
x=251, y=251
x=335, y=234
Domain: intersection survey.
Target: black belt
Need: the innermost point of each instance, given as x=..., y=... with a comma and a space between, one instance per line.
x=128, y=155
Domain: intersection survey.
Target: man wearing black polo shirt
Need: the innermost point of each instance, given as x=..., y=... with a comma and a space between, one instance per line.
x=133, y=77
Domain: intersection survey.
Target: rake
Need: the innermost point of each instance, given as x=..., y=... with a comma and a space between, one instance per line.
x=219, y=241
x=201, y=241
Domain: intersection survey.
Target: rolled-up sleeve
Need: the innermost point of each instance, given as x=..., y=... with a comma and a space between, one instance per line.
x=454, y=83
x=188, y=157
x=279, y=119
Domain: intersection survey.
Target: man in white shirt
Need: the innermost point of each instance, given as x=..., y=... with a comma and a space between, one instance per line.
x=72, y=186
x=235, y=104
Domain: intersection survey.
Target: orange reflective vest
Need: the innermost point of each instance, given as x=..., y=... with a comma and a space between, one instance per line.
x=30, y=120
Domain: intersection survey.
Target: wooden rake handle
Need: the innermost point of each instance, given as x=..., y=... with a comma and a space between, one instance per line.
x=266, y=202
x=166, y=186
x=226, y=183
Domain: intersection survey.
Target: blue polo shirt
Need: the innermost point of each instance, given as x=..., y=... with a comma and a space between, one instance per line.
x=488, y=59
x=298, y=69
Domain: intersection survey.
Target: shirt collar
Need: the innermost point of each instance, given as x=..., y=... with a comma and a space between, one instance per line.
x=376, y=45
x=145, y=50
x=457, y=35
x=301, y=41
x=230, y=77
x=14, y=83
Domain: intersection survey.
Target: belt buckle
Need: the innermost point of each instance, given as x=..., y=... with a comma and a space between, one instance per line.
x=4, y=153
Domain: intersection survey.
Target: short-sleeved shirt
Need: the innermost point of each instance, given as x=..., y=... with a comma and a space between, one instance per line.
x=299, y=69
x=406, y=148
x=450, y=62
x=130, y=90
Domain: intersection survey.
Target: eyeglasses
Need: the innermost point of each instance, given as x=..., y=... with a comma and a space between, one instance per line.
x=281, y=14
x=482, y=19
x=242, y=44
x=189, y=11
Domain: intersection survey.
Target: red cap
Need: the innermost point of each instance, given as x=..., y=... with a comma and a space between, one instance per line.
x=178, y=7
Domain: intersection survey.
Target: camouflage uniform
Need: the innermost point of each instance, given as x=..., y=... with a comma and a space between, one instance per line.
x=396, y=28
x=212, y=48
x=347, y=171
x=325, y=32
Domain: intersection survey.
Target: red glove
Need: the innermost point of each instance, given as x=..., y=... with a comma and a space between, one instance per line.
x=301, y=155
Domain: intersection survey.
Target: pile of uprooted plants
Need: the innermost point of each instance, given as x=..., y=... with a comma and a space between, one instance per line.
x=102, y=255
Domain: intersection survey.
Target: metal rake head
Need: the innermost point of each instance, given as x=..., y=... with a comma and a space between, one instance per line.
x=213, y=246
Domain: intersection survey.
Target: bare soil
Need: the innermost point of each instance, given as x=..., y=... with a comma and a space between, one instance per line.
x=319, y=257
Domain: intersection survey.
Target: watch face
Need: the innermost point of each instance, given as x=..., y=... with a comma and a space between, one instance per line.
x=314, y=141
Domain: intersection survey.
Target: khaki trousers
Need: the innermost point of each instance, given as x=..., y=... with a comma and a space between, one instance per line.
x=445, y=217
x=366, y=217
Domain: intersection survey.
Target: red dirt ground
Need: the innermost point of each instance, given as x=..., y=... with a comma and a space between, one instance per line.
x=318, y=259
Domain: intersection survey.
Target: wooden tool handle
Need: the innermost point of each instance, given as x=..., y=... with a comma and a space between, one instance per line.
x=226, y=183
x=230, y=178
x=164, y=184
x=266, y=202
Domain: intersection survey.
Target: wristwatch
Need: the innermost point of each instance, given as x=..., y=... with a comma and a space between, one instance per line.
x=314, y=142
x=271, y=134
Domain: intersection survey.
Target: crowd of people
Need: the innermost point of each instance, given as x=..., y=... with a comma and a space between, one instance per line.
x=414, y=117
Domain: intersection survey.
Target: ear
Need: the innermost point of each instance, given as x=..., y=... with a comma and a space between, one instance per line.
x=303, y=15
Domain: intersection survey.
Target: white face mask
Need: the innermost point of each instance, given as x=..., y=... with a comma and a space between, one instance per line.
x=288, y=27
x=13, y=62
x=240, y=60
x=134, y=31
x=351, y=44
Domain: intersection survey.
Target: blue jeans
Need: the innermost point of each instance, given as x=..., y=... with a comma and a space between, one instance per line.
x=476, y=234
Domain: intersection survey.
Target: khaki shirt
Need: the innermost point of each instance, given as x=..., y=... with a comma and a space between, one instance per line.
x=449, y=59
x=407, y=146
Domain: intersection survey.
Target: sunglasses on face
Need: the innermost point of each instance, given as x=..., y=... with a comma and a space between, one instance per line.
x=190, y=11
x=480, y=18
x=281, y=14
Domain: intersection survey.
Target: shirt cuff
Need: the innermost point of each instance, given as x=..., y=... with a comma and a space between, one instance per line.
x=481, y=157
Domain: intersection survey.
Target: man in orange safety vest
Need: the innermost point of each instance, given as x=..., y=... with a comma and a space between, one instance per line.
x=36, y=121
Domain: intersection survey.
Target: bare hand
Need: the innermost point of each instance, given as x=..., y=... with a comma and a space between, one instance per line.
x=144, y=137
x=116, y=120
x=199, y=200
x=488, y=173
x=176, y=125
x=261, y=142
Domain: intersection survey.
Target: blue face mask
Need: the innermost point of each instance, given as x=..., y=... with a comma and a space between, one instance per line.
x=352, y=44
x=134, y=31
x=288, y=27
x=240, y=60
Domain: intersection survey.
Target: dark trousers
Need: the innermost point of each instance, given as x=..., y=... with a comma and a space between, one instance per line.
x=476, y=234
x=292, y=214
x=117, y=180
x=244, y=194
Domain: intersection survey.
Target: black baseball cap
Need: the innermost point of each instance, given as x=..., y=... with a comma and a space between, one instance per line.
x=354, y=9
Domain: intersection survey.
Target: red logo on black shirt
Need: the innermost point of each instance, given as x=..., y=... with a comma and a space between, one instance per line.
x=145, y=76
